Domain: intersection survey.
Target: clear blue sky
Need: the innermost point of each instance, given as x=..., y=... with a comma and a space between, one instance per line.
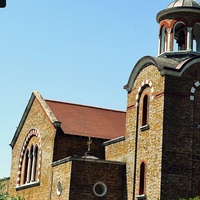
x=79, y=51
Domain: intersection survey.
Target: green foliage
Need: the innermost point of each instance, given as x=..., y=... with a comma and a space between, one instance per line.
x=5, y=196
x=195, y=198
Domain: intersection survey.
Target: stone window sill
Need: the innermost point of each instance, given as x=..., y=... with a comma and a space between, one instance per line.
x=28, y=185
x=144, y=128
x=140, y=197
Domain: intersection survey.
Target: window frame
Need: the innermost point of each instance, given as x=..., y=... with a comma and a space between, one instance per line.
x=145, y=113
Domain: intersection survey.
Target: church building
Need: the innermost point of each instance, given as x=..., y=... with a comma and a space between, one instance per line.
x=65, y=151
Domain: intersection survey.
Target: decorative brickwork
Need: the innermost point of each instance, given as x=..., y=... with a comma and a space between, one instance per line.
x=42, y=129
x=158, y=157
x=193, y=90
x=140, y=89
x=31, y=133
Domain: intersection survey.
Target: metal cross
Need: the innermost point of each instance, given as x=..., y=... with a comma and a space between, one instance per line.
x=89, y=142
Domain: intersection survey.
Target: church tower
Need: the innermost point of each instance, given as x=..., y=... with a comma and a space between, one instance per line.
x=163, y=111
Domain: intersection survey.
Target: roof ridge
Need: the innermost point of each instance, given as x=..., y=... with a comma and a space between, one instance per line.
x=83, y=105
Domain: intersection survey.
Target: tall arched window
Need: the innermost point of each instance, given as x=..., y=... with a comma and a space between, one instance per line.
x=142, y=179
x=163, y=39
x=34, y=164
x=24, y=167
x=30, y=165
x=145, y=111
x=196, y=37
x=180, y=36
x=30, y=157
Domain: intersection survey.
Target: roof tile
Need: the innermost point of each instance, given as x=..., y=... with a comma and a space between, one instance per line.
x=88, y=121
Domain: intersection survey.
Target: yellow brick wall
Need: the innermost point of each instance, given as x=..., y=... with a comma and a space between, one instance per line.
x=149, y=142
x=38, y=120
x=61, y=173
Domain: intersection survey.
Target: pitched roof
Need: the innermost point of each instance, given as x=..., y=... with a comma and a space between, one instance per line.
x=88, y=121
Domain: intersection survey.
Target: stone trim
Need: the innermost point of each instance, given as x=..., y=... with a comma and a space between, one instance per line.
x=144, y=83
x=103, y=190
x=70, y=158
x=113, y=141
x=45, y=107
x=193, y=90
x=33, y=184
x=144, y=128
x=139, y=197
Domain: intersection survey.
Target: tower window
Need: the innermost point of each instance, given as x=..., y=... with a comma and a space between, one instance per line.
x=179, y=36
x=163, y=40
x=142, y=179
x=145, y=110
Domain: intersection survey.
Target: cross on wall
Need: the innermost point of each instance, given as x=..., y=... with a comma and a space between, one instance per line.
x=89, y=143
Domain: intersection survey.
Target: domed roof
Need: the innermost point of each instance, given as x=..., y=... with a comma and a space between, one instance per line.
x=184, y=3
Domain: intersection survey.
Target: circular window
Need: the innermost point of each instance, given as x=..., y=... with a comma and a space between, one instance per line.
x=59, y=188
x=100, y=189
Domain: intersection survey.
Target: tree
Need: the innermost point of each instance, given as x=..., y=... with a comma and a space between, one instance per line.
x=5, y=196
x=195, y=198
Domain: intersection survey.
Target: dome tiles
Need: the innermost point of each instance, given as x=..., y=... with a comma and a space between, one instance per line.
x=184, y=3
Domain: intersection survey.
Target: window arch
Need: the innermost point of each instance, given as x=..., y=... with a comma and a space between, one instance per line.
x=145, y=110
x=30, y=157
x=142, y=179
x=179, y=36
x=196, y=37
x=163, y=39
x=24, y=169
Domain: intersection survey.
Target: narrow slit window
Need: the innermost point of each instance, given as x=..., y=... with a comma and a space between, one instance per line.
x=34, y=166
x=145, y=110
x=25, y=167
x=142, y=179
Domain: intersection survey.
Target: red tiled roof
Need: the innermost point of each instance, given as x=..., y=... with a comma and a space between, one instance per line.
x=88, y=121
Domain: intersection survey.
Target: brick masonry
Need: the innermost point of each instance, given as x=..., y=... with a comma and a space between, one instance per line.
x=148, y=141
x=38, y=120
x=71, y=145
x=181, y=141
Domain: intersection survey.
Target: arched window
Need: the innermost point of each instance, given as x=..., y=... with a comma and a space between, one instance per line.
x=163, y=39
x=28, y=171
x=24, y=167
x=145, y=109
x=34, y=164
x=142, y=179
x=196, y=37
x=29, y=165
x=179, y=36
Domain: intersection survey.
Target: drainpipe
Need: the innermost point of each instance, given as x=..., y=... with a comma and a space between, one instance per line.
x=136, y=144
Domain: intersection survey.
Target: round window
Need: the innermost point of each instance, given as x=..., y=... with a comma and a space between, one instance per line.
x=100, y=189
x=59, y=188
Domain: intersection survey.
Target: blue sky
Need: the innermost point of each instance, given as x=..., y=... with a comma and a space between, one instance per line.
x=79, y=51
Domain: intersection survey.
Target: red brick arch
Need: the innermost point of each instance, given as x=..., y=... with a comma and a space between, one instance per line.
x=144, y=83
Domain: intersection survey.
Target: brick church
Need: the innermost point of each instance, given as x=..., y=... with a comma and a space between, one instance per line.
x=64, y=151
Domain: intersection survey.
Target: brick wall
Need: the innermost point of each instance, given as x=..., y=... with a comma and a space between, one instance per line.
x=148, y=142
x=86, y=173
x=36, y=119
x=62, y=174
x=181, y=146
x=71, y=145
